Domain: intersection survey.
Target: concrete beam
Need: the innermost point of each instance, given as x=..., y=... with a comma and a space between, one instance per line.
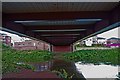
x=62, y=15
x=12, y=26
x=29, y=28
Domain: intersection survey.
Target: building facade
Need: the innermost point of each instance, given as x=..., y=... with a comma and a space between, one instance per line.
x=93, y=41
x=101, y=40
x=31, y=45
x=113, y=42
x=4, y=38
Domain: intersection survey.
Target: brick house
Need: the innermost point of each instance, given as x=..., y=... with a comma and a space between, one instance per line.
x=31, y=45
x=4, y=38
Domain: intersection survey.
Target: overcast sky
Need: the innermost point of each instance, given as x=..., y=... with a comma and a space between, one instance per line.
x=15, y=38
x=108, y=34
x=111, y=33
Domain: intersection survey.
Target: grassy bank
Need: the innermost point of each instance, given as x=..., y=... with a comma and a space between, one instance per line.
x=11, y=57
x=110, y=56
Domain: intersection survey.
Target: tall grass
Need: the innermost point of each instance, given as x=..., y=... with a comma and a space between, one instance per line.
x=11, y=57
x=110, y=56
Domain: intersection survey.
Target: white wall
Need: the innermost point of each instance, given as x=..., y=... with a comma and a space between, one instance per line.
x=89, y=42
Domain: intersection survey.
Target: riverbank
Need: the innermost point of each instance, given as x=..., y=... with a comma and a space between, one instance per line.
x=61, y=65
x=36, y=64
x=95, y=56
x=12, y=59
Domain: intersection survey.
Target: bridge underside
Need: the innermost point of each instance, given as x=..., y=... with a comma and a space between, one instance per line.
x=60, y=24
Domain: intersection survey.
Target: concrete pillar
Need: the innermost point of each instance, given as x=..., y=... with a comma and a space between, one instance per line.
x=73, y=46
x=51, y=46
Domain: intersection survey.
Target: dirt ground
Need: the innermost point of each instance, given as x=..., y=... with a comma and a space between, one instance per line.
x=29, y=74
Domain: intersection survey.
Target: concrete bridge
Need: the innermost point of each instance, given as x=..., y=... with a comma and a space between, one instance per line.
x=60, y=24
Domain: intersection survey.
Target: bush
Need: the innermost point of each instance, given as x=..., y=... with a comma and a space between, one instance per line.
x=110, y=56
x=11, y=56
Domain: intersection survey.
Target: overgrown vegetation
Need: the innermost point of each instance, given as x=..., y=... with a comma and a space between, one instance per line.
x=63, y=74
x=11, y=58
x=110, y=56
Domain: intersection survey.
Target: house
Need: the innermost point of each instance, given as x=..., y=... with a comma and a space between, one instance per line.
x=31, y=45
x=88, y=42
x=113, y=42
x=4, y=38
x=93, y=41
x=101, y=40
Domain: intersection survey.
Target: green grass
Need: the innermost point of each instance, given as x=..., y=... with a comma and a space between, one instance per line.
x=11, y=57
x=110, y=56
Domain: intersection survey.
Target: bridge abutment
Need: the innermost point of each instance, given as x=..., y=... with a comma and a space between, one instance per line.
x=58, y=49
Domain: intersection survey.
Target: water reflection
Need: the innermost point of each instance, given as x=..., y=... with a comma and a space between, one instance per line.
x=79, y=69
x=44, y=66
x=97, y=71
x=69, y=67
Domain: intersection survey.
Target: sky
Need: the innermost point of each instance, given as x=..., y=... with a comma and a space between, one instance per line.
x=111, y=33
x=15, y=38
x=107, y=34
